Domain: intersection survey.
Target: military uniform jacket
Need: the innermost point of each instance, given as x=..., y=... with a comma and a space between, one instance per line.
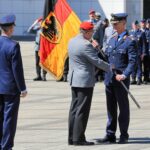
x=11, y=69
x=82, y=61
x=122, y=55
x=146, y=32
x=98, y=34
x=148, y=39
x=140, y=39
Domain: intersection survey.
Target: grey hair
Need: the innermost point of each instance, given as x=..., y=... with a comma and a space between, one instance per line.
x=83, y=31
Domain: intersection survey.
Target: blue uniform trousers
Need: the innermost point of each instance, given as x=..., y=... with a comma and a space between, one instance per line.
x=9, y=105
x=146, y=68
x=138, y=69
x=116, y=95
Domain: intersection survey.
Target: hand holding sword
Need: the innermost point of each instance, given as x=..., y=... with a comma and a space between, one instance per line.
x=120, y=78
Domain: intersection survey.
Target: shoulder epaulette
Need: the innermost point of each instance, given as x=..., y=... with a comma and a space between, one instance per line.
x=114, y=35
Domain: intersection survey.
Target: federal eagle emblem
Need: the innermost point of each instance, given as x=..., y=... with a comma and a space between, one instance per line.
x=51, y=29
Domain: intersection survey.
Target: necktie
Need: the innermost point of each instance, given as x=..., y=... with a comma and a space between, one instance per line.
x=119, y=38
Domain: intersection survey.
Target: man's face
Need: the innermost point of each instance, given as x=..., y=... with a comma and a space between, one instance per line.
x=148, y=25
x=92, y=16
x=134, y=26
x=117, y=26
x=142, y=24
x=88, y=34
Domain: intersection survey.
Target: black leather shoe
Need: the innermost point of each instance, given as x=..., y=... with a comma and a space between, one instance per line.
x=44, y=78
x=144, y=82
x=65, y=78
x=107, y=139
x=84, y=143
x=139, y=82
x=37, y=79
x=123, y=141
x=133, y=82
x=70, y=142
x=60, y=80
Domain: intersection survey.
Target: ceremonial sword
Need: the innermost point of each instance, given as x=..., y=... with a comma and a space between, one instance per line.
x=125, y=87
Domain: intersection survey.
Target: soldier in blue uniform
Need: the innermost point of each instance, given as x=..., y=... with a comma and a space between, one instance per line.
x=145, y=55
x=140, y=38
x=148, y=40
x=12, y=83
x=148, y=33
x=120, y=53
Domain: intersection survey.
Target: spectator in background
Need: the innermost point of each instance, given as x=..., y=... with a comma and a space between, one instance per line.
x=97, y=16
x=145, y=54
x=105, y=24
x=140, y=38
x=109, y=33
x=92, y=17
x=148, y=40
x=36, y=28
x=98, y=37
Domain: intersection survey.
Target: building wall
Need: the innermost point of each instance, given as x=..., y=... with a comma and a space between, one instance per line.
x=105, y=7
x=27, y=11
x=135, y=10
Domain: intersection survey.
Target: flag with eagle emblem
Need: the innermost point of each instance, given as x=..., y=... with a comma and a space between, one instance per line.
x=59, y=25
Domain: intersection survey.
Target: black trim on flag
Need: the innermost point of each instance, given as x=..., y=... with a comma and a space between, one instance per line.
x=48, y=7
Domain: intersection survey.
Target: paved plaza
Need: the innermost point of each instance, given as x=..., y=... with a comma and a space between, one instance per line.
x=43, y=115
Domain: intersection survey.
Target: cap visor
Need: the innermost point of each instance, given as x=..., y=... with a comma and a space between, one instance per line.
x=113, y=21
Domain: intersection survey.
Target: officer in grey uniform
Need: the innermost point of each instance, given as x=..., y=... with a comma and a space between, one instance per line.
x=82, y=61
x=12, y=83
x=120, y=53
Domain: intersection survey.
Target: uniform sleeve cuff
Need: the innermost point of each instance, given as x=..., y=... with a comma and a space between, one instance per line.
x=124, y=76
x=24, y=91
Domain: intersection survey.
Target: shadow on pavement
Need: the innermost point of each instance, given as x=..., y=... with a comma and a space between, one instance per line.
x=139, y=140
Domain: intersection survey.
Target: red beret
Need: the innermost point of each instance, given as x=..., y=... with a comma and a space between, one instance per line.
x=86, y=26
x=91, y=11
